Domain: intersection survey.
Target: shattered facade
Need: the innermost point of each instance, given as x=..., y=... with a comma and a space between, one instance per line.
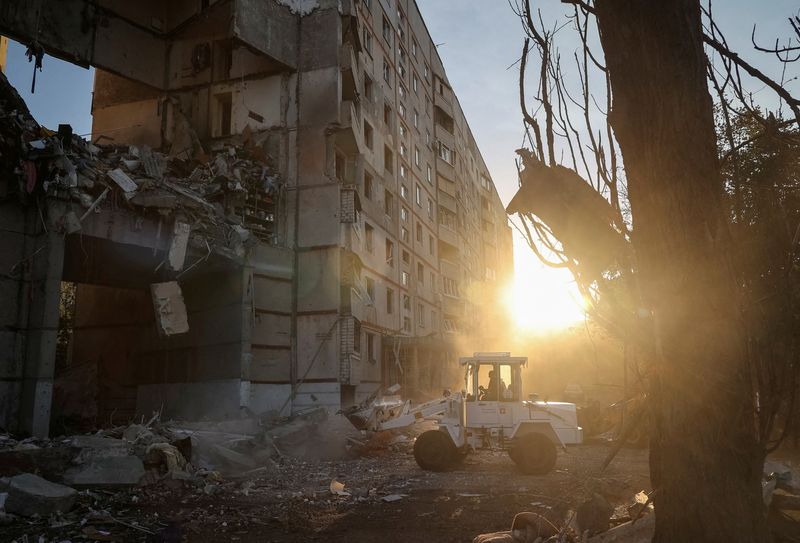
x=294, y=181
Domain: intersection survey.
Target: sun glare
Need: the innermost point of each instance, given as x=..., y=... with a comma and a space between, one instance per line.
x=539, y=298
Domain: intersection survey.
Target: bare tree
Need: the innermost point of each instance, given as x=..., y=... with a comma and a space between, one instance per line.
x=722, y=368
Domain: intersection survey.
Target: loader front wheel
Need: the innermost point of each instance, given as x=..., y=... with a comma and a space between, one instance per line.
x=534, y=454
x=435, y=451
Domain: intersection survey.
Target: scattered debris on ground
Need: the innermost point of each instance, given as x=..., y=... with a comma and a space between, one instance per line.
x=195, y=481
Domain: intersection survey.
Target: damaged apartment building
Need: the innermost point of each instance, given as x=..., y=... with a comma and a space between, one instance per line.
x=281, y=206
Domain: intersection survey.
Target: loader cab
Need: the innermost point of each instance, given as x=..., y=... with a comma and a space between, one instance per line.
x=493, y=377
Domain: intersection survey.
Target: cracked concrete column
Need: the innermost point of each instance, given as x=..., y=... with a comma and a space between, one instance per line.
x=46, y=267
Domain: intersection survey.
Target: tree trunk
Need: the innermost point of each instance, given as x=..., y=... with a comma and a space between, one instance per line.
x=706, y=459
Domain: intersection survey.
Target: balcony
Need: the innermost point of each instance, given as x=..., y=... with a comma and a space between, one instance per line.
x=452, y=306
x=349, y=136
x=448, y=236
x=449, y=269
x=447, y=195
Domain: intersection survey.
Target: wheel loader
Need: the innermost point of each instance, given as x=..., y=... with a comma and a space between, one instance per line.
x=490, y=412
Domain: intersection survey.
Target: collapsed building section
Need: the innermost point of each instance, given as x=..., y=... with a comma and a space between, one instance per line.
x=282, y=206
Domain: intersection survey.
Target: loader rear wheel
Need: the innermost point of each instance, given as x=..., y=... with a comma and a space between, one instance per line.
x=435, y=451
x=534, y=454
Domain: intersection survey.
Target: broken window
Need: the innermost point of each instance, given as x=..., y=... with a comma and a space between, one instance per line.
x=340, y=167
x=388, y=159
x=369, y=236
x=356, y=335
x=371, y=348
x=387, y=30
x=390, y=252
x=367, y=186
x=387, y=72
x=388, y=204
x=370, y=283
x=445, y=153
x=450, y=286
x=369, y=91
x=224, y=105
x=387, y=116
x=368, y=135
x=366, y=38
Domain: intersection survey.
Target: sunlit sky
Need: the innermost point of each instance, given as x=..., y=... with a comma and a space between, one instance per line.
x=480, y=42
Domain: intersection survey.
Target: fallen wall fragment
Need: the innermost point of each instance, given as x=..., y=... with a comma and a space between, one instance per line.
x=170, y=308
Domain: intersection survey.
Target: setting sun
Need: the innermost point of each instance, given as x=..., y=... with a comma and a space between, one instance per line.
x=539, y=298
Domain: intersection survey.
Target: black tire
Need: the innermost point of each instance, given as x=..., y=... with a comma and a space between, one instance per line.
x=435, y=451
x=534, y=454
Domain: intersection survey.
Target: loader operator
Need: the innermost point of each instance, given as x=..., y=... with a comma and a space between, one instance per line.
x=496, y=390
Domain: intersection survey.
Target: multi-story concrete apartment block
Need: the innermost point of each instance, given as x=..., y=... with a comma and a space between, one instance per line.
x=380, y=257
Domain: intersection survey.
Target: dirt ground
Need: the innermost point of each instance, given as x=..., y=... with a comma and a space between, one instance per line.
x=293, y=501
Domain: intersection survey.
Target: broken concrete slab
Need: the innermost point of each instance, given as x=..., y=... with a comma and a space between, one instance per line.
x=124, y=182
x=170, y=308
x=30, y=495
x=97, y=447
x=155, y=198
x=111, y=471
x=232, y=458
x=96, y=442
x=49, y=462
x=177, y=247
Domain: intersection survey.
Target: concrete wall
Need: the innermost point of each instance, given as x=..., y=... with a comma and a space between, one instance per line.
x=30, y=264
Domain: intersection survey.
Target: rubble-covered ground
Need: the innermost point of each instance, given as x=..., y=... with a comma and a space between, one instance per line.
x=248, y=483
x=316, y=478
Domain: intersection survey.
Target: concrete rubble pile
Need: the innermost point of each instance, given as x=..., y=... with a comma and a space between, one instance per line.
x=219, y=202
x=76, y=482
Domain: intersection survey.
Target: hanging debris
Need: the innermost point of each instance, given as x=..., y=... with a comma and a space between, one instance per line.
x=170, y=308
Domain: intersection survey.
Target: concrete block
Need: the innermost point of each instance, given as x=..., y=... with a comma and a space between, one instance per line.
x=110, y=471
x=170, y=308
x=30, y=495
